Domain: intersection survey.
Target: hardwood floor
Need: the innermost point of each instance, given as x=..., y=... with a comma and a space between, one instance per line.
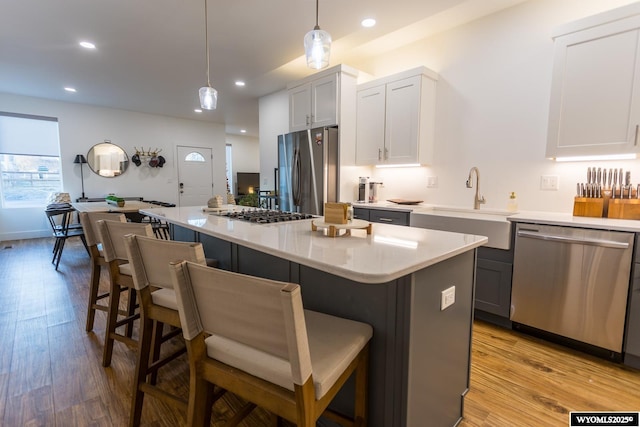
x=51, y=373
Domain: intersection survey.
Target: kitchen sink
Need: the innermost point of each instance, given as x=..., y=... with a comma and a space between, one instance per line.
x=483, y=222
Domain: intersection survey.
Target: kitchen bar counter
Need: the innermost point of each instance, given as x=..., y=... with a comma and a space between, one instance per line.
x=388, y=253
x=392, y=279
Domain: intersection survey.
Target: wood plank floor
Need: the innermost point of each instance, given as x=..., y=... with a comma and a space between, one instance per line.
x=50, y=371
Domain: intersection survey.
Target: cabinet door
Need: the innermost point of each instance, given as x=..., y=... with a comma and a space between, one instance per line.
x=324, y=101
x=389, y=217
x=493, y=287
x=300, y=107
x=360, y=213
x=595, y=94
x=370, y=118
x=402, y=121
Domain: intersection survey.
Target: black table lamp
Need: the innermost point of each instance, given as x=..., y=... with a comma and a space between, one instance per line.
x=80, y=159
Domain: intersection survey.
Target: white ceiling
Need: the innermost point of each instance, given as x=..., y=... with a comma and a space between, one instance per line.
x=150, y=54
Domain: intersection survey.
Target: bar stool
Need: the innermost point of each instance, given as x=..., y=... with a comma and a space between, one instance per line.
x=252, y=337
x=149, y=259
x=115, y=254
x=88, y=221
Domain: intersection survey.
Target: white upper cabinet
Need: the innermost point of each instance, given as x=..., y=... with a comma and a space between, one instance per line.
x=370, y=122
x=595, y=93
x=314, y=103
x=319, y=99
x=395, y=119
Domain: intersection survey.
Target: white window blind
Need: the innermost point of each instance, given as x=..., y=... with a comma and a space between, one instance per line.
x=29, y=135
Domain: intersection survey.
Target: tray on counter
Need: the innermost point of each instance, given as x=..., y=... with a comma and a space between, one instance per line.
x=335, y=229
x=404, y=201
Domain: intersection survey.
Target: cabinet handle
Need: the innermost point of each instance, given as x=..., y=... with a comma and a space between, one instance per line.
x=385, y=219
x=379, y=153
x=386, y=153
x=307, y=122
x=635, y=142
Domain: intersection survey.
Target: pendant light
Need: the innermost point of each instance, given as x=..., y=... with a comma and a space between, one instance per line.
x=317, y=46
x=208, y=95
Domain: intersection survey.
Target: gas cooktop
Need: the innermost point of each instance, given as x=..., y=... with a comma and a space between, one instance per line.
x=266, y=216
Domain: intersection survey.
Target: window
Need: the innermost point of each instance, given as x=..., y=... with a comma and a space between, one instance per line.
x=229, y=152
x=29, y=160
x=194, y=157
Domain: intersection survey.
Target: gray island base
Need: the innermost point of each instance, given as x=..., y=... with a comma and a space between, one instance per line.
x=420, y=355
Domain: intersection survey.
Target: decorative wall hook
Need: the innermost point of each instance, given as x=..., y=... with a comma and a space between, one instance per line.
x=149, y=158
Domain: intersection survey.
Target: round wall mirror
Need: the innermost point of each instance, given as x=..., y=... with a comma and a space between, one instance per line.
x=107, y=159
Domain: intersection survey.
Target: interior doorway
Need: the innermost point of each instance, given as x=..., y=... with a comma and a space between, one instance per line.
x=195, y=175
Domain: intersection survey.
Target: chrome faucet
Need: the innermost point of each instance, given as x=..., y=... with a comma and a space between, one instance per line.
x=477, y=200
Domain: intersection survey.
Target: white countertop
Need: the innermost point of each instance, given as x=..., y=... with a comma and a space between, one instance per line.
x=390, y=252
x=567, y=219
x=540, y=217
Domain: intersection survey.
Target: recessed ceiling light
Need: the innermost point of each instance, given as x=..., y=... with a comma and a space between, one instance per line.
x=197, y=110
x=368, y=23
x=70, y=89
x=239, y=83
x=87, y=45
x=243, y=131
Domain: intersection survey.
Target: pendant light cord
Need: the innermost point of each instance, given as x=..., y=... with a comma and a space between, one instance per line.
x=317, y=27
x=206, y=40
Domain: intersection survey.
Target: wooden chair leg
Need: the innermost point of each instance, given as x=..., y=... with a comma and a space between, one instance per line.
x=93, y=295
x=158, y=329
x=112, y=318
x=58, y=255
x=361, y=389
x=200, y=402
x=142, y=365
x=131, y=310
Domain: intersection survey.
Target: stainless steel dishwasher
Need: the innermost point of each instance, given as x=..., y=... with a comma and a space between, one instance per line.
x=572, y=282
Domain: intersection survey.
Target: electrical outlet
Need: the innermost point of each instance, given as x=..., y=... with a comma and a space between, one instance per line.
x=265, y=181
x=448, y=297
x=432, y=182
x=549, y=182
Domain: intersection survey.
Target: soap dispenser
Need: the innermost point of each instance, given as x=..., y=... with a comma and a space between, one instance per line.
x=512, y=204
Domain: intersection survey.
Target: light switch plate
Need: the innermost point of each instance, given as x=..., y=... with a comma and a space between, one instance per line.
x=448, y=297
x=432, y=182
x=549, y=182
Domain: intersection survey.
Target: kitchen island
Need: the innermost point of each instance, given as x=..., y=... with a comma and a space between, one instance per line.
x=392, y=279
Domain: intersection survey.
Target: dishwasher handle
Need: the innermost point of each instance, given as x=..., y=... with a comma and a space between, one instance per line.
x=576, y=240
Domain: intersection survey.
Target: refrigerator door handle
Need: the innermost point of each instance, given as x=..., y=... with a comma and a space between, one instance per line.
x=295, y=177
x=314, y=183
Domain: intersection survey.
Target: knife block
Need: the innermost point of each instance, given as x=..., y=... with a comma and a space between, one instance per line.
x=624, y=208
x=588, y=206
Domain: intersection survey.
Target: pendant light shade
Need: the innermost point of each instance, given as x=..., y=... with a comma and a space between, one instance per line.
x=208, y=98
x=208, y=95
x=317, y=46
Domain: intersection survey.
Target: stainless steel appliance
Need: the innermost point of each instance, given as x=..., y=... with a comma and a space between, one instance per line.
x=363, y=189
x=265, y=216
x=373, y=191
x=308, y=170
x=572, y=282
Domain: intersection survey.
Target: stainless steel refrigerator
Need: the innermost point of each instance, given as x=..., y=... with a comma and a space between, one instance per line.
x=308, y=172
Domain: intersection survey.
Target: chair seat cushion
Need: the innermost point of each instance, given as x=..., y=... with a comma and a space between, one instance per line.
x=333, y=343
x=165, y=297
x=125, y=269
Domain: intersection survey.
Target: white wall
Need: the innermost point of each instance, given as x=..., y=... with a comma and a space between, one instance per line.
x=274, y=121
x=492, y=109
x=82, y=126
x=245, y=154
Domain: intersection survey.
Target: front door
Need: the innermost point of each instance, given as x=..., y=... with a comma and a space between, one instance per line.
x=195, y=175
